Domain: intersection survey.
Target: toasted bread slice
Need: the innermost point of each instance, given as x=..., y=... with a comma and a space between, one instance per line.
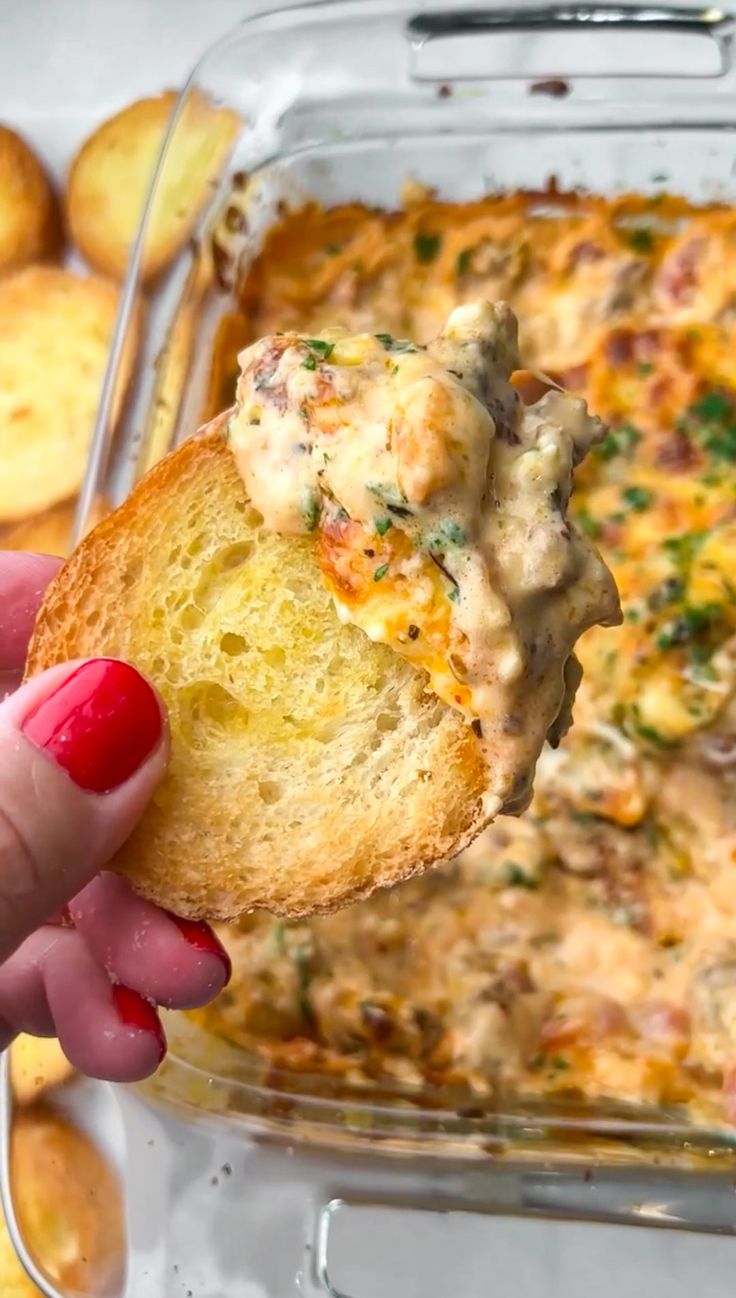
x=55, y=330
x=110, y=178
x=308, y=764
x=30, y=220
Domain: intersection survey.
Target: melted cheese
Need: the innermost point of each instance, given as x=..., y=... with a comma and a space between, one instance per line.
x=439, y=501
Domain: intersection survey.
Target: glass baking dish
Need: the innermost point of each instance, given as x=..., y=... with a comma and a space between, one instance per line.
x=345, y=100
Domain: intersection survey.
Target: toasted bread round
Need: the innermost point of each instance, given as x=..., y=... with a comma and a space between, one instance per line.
x=308, y=764
x=30, y=221
x=111, y=175
x=37, y=1065
x=68, y=1205
x=55, y=331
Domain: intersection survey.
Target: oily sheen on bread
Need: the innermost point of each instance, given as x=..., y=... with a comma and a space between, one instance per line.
x=309, y=765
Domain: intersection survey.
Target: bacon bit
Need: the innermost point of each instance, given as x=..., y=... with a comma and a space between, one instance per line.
x=663, y=1023
x=611, y=533
x=647, y=344
x=677, y=452
x=574, y=379
x=677, y=276
x=585, y=252
x=619, y=347
x=584, y=1020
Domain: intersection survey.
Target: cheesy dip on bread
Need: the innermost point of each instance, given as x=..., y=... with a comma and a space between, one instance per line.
x=440, y=501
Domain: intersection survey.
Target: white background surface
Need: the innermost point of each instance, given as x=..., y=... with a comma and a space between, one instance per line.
x=64, y=65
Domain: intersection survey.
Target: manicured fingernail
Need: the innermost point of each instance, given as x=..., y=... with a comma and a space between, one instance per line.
x=100, y=724
x=136, y=1012
x=200, y=936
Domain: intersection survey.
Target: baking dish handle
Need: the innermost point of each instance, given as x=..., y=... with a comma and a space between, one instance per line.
x=437, y=34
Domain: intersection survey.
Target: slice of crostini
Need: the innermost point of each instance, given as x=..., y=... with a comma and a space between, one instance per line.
x=110, y=177
x=55, y=331
x=30, y=219
x=358, y=594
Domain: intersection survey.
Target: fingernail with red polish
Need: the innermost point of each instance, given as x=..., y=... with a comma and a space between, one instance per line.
x=136, y=1012
x=200, y=936
x=100, y=724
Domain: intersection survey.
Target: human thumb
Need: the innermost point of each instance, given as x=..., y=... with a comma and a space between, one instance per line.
x=82, y=748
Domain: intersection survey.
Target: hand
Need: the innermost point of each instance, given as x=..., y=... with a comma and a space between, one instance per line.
x=82, y=748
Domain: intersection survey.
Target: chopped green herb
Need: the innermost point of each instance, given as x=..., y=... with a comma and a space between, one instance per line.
x=515, y=876
x=392, y=344
x=558, y=1064
x=701, y=659
x=652, y=736
x=310, y=363
x=633, y=615
x=383, y=525
x=279, y=937
x=713, y=406
x=668, y=592
x=683, y=548
x=452, y=532
x=311, y=509
x=639, y=498
x=641, y=240
x=619, y=441
x=320, y=348
x=644, y=368
x=462, y=265
x=453, y=594
x=588, y=524
x=380, y=572
x=692, y=622
x=426, y=247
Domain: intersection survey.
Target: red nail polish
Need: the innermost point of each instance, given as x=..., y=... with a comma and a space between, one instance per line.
x=200, y=936
x=100, y=724
x=134, y=1011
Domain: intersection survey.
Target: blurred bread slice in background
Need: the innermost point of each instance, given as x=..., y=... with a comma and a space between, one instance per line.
x=51, y=531
x=37, y=1065
x=55, y=333
x=14, y=1283
x=68, y=1205
x=110, y=177
x=30, y=219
